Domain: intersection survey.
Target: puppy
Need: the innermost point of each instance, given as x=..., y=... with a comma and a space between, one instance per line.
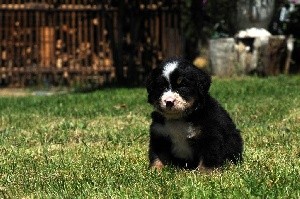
x=189, y=128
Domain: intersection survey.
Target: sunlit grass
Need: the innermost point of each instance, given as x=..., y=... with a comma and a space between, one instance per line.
x=95, y=145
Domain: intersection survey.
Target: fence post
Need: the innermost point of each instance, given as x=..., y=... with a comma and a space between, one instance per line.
x=118, y=45
x=134, y=17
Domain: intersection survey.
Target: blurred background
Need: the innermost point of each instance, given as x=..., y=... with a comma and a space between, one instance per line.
x=90, y=43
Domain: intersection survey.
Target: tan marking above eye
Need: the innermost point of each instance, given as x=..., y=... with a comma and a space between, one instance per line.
x=179, y=80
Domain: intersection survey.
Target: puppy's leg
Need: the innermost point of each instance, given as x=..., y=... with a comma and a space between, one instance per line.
x=159, y=152
x=202, y=168
x=158, y=159
x=234, y=148
x=213, y=152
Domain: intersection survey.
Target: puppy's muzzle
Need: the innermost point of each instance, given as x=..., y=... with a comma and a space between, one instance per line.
x=173, y=102
x=169, y=102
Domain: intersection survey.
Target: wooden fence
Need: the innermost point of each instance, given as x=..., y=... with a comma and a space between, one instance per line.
x=71, y=42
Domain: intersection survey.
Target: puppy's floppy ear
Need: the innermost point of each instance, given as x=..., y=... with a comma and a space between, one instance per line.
x=151, y=78
x=150, y=84
x=204, y=81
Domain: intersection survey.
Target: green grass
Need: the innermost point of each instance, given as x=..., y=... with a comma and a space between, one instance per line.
x=94, y=145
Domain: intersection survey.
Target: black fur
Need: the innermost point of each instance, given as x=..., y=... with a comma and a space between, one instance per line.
x=215, y=138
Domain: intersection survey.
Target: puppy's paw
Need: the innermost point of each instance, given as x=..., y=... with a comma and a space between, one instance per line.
x=157, y=165
x=203, y=169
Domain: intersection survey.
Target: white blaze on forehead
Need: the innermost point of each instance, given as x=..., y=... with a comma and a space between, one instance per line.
x=169, y=68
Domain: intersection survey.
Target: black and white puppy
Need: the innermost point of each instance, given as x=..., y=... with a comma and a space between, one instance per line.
x=189, y=128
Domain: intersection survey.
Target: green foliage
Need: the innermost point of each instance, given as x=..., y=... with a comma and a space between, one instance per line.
x=222, y=13
x=210, y=15
x=188, y=23
x=94, y=145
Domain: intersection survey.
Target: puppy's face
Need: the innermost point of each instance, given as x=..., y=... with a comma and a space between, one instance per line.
x=177, y=87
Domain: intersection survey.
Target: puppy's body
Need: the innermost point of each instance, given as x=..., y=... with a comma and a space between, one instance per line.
x=189, y=128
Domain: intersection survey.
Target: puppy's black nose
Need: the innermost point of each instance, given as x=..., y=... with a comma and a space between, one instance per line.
x=169, y=104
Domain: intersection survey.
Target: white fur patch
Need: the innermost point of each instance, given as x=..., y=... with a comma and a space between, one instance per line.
x=179, y=133
x=169, y=68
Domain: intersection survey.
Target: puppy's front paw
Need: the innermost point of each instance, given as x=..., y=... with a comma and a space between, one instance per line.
x=204, y=169
x=157, y=165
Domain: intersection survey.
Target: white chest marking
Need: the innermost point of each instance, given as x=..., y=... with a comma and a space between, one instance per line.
x=169, y=68
x=179, y=133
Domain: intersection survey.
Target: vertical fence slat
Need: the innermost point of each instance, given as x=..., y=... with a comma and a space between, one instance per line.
x=1, y=45
x=74, y=30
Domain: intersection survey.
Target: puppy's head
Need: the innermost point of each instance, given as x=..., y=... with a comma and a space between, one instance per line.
x=177, y=87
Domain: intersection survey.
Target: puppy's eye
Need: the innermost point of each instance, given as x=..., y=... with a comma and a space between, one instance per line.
x=179, y=80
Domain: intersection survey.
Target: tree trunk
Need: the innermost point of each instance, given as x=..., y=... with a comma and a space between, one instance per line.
x=222, y=56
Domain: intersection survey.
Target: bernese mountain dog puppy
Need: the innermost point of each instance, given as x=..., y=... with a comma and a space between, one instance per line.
x=189, y=128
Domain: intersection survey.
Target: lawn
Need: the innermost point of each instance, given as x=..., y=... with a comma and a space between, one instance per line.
x=94, y=145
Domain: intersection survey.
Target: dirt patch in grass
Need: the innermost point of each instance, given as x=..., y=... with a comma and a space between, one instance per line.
x=21, y=92
x=14, y=92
